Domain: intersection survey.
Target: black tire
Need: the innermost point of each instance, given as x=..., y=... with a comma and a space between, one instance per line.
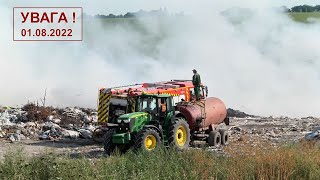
x=214, y=138
x=123, y=148
x=145, y=137
x=224, y=136
x=109, y=147
x=98, y=135
x=179, y=134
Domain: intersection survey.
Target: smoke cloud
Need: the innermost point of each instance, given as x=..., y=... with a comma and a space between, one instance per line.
x=254, y=58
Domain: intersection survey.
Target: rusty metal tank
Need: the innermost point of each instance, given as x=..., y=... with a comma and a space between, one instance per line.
x=212, y=109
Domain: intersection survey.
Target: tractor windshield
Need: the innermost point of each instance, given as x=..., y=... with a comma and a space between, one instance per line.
x=148, y=104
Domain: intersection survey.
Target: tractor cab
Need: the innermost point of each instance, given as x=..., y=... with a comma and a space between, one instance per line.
x=158, y=106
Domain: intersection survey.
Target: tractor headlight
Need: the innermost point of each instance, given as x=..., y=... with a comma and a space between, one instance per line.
x=125, y=125
x=129, y=121
x=124, y=120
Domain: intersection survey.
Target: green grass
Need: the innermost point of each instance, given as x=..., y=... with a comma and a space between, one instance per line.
x=295, y=162
x=303, y=16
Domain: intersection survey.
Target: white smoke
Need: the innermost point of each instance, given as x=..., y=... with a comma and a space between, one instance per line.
x=256, y=59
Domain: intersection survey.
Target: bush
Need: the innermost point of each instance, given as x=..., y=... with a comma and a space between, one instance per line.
x=37, y=113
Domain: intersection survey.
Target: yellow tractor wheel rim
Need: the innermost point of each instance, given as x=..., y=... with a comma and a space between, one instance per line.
x=181, y=136
x=150, y=142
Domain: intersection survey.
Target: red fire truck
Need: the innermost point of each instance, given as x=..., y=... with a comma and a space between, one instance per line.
x=115, y=101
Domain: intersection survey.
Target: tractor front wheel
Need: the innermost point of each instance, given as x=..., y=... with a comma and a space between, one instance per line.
x=147, y=139
x=109, y=147
x=179, y=134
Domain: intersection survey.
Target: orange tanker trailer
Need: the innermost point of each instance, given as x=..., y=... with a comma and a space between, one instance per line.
x=203, y=118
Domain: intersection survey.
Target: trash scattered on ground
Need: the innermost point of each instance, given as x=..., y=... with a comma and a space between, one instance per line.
x=46, y=123
x=276, y=129
x=313, y=135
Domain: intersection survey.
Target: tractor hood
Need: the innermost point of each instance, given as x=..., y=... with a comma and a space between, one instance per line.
x=132, y=115
x=129, y=116
x=134, y=122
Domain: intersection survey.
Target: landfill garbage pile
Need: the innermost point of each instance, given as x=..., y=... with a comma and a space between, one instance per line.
x=276, y=129
x=46, y=123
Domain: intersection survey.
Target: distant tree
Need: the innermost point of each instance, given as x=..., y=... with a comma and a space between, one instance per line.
x=128, y=14
x=111, y=16
x=305, y=8
x=296, y=9
x=140, y=13
x=100, y=16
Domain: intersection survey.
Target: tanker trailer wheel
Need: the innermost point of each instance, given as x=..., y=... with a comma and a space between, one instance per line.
x=179, y=134
x=147, y=140
x=224, y=136
x=109, y=147
x=214, y=138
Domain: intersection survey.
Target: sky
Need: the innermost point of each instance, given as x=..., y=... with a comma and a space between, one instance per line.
x=267, y=65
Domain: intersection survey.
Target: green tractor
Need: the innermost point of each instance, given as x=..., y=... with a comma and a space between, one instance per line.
x=154, y=122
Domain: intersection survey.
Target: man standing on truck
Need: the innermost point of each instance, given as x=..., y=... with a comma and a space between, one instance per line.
x=196, y=81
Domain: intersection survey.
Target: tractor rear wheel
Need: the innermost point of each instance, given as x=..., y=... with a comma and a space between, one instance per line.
x=109, y=147
x=148, y=140
x=214, y=138
x=179, y=134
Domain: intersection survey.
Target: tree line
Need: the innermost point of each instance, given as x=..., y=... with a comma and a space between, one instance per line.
x=304, y=8
x=163, y=12
x=141, y=13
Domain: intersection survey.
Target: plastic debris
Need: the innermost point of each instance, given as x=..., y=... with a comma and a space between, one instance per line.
x=46, y=123
x=313, y=135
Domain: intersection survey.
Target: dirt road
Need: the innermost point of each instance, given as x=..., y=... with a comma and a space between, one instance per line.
x=71, y=147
